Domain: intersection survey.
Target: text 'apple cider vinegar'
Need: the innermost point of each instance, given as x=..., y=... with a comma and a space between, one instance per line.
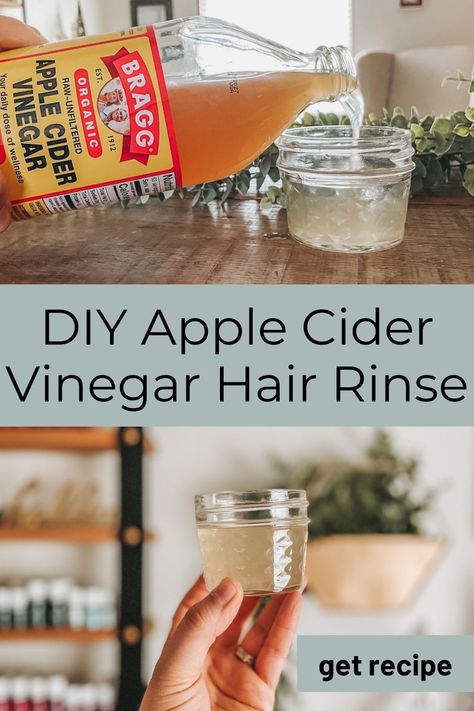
x=152, y=109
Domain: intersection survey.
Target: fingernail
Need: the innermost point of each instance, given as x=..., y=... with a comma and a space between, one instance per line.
x=225, y=591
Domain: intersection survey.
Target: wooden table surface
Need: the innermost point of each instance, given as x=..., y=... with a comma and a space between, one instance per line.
x=173, y=243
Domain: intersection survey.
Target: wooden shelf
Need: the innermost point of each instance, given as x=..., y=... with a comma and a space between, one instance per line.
x=76, y=439
x=60, y=534
x=65, y=534
x=66, y=635
x=58, y=635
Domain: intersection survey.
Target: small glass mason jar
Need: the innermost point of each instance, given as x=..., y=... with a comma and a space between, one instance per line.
x=257, y=537
x=346, y=192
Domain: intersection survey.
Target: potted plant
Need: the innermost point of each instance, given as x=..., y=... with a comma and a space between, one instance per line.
x=367, y=549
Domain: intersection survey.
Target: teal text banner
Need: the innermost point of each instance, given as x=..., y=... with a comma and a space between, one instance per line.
x=236, y=355
x=386, y=663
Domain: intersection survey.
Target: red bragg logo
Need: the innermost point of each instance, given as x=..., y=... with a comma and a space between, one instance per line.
x=140, y=97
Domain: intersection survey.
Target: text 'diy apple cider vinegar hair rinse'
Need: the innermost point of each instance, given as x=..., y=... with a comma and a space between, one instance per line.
x=102, y=119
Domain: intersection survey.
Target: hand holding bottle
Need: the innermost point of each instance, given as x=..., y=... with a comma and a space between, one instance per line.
x=13, y=35
x=206, y=664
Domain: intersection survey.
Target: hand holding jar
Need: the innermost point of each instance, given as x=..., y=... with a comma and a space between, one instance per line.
x=207, y=661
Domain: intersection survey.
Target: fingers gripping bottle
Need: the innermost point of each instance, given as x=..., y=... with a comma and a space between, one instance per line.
x=100, y=119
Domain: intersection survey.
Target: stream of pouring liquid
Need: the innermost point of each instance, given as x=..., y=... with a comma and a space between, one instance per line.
x=223, y=124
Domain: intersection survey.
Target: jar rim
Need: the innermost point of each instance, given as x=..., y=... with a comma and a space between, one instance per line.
x=334, y=138
x=249, y=497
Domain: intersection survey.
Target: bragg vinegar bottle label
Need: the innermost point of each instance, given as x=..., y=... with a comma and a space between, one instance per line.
x=86, y=123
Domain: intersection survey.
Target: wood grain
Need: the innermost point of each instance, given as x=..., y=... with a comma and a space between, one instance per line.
x=174, y=244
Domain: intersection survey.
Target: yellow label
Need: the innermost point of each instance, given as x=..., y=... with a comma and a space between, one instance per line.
x=85, y=123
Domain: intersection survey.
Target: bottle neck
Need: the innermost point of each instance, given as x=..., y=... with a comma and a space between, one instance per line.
x=339, y=61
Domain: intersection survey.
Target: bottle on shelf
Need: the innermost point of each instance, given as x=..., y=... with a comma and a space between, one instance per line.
x=6, y=609
x=21, y=694
x=106, y=697
x=37, y=591
x=73, y=700
x=5, y=694
x=57, y=688
x=59, y=593
x=20, y=608
x=39, y=694
x=89, y=701
x=77, y=608
x=100, y=611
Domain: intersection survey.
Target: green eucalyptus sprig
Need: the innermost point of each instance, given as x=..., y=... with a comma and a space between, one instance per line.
x=444, y=146
x=460, y=80
x=444, y=152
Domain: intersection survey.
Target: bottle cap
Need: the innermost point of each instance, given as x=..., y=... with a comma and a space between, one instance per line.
x=58, y=686
x=39, y=689
x=20, y=688
x=37, y=590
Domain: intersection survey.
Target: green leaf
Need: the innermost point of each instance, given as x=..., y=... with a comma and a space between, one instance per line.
x=398, y=111
x=445, y=81
x=469, y=180
x=417, y=130
x=260, y=180
x=443, y=145
x=435, y=174
x=308, y=119
x=461, y=130
x=333, y=119
x=266, y=204
x=470, y=114
x=443, y=126
x=209, y=194
x=427, y=122
x=265, y=165
x=274, y=174
x=459, y=117
x=273, y=192
x=471, y=87
x=461, y=76
x=399, y=121
x=416, y=185
x=196, y=198
x=420, y=168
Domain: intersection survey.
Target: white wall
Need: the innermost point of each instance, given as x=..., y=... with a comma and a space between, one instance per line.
x=385, y=25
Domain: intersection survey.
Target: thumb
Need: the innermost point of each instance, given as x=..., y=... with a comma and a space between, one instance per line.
x=185, y=653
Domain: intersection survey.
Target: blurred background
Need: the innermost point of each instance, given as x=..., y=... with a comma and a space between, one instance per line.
x=407, y=492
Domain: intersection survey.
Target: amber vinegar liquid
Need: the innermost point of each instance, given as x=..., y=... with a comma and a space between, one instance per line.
x=222, y=125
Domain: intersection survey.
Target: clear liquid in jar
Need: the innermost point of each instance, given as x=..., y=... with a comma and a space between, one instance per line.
x=264, y=559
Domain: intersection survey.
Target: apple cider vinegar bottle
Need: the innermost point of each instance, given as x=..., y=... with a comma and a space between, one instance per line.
x=151, y=109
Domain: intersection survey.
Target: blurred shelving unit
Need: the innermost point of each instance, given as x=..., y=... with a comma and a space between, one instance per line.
x=131, y=445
